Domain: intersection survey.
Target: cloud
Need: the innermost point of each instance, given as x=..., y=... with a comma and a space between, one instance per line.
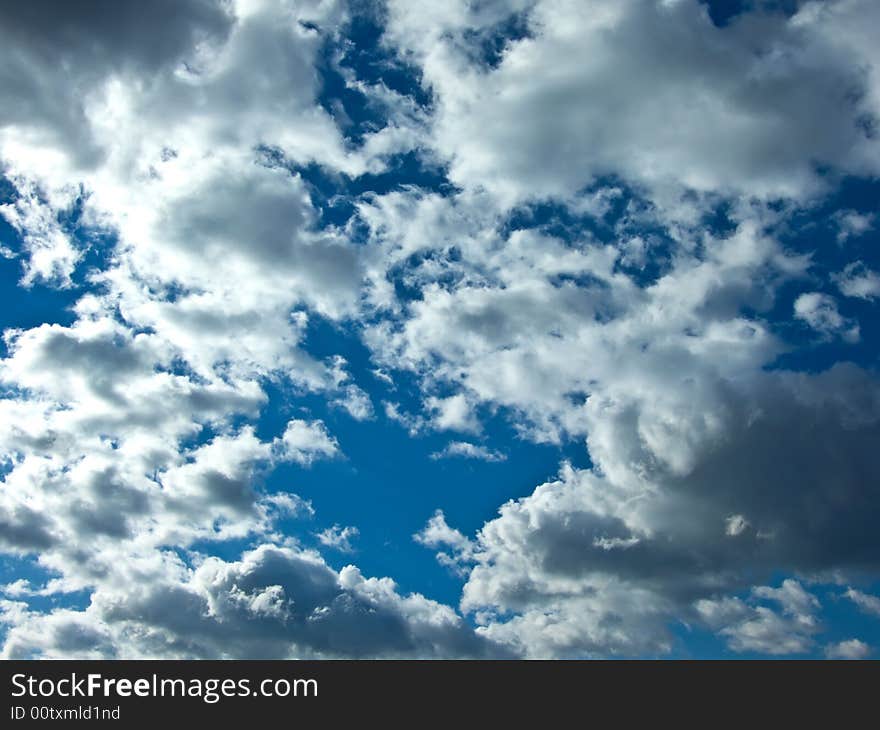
x=852, y=224
x=735, y=525
x=761, y=629
x=57, y=59
x=820, y=312
x=849, y=649
x=565, y=105
x=452, y=414
x=609, y=261
x=275, y=602
x=466, y=450
x=50, y=254
x=454, y=549
x=867, y=603
x=356, y=403
x=306, y=441
x=857, y=280
x=338, y=538
x=660, y=528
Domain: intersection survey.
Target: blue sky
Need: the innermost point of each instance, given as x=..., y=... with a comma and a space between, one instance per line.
x=497, y=329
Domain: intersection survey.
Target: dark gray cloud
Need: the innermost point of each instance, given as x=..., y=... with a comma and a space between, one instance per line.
x=277, y=602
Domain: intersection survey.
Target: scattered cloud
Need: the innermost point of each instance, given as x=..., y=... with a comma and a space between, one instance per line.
x=820, y=312
x=865, y=601
x=849, y=649
x=306, y=441
x=467, y=450
x=338, y=538
x=602, y=229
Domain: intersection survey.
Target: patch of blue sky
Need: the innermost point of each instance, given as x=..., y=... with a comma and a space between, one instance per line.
x=25, y=307
x=723, y=12
x=335, y=195
x=22, y=307
x=388, y=485
x=815, y=232
x=14, y=568
x=358, y=54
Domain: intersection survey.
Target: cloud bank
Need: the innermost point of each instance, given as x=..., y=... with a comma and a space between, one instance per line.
x=618, y=226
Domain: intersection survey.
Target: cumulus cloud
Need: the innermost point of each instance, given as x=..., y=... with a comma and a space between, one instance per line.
x=564, y=103
x=306, y=441
x=50, y=254
x=454, y=549
x=569, y=277
x=735, y=525
x=576, y=544
x=848, y=649
x=356, y=403
x=275, y=602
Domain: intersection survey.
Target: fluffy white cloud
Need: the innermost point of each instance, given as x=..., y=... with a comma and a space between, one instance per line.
x=612, y=88
x=849, y=649
x=452, y=414
x=852, y=224
x=51, y=256
x=305, y=441
x=735, y=525
x=178, y=149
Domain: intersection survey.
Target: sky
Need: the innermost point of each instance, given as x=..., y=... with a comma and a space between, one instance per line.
x=470, y=329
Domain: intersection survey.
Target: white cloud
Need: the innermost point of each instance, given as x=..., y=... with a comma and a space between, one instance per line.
x=17, y=588
x=735, y=525
x=356, y=403
x=467, y=450
x=820, y=312
x=455, y=551
x=291, y=505
x=274, y=602
x=865, y=601
x=848, y=649
x=643, y=335
x=761, y=629
x=50, y=254
x=567, y=103
x=338, y=538
x=413, y=423
x=857, y=280
x=454, y=413
x=852, y=224
x=306, y=441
